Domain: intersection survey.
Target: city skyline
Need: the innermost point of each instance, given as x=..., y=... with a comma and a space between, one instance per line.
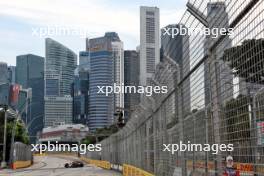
x=17, y=24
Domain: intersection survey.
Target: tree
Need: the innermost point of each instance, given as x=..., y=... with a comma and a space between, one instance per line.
x=89, y=140
x=21, y=134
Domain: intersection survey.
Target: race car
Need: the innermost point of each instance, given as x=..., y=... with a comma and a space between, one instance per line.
x=74, y=164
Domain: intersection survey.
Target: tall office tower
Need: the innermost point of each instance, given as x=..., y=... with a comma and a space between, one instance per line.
x=131, y=78
x=4, y=93
x=149, y=42
x=29, y=74
x=3, y=73
x=177, y=48
x=4, y=85
x=81, y=89
x=118, y=58
x=60, y=64
x=106, y=68
x=12, y=74
x=62, y=60
x=217, y=17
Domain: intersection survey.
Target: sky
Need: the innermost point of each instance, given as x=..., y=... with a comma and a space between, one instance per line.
x=21, y=22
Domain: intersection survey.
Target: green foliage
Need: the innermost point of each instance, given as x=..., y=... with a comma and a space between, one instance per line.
x=21, y=134
x=107, y=130
x=101, y=134
x=89, y=140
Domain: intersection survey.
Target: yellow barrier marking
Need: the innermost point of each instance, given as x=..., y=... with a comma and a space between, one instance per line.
x=98, y=163
x=21, y=164
x=129, y=170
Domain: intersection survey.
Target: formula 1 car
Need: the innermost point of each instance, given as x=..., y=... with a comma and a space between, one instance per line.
x=74, y=164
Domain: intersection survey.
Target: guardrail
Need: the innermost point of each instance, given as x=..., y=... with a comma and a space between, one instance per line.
x=21, y=164
x=21, y=156
x=129, y=170
x=98, y=163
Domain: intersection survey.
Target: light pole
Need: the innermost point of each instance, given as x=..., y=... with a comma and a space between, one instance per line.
x=3, y=163
x=17, y=118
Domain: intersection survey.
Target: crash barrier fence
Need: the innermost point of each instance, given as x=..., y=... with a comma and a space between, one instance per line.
x=215, y=96
x=129, y=170
x=21, y=156
x=98, y=163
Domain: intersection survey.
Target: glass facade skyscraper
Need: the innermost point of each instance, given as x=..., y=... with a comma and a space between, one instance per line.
x=3, y=73
x=4, y=85
x=62, y=60
x=30, y=74
x=60, y=64
x=81, y=89
x=106, y=68
x=101, y=107
x=131, y=78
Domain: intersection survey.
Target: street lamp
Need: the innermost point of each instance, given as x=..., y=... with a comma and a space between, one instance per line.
x=3, y=163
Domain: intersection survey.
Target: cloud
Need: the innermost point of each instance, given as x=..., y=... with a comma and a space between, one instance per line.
x=95, y=16
x=86, y=14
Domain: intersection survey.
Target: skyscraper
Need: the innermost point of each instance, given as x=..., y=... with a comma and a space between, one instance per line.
x=60, y=64
x=149, y=42
x=131, y=78
x=4, y=85
x=3, y=73
x=62, y=60
x=4, y=93
x=81, y=89
x=106, y=68
x=118, y=58
x=30, y=74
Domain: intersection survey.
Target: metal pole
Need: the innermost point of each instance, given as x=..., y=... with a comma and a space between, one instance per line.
x=13, y=139
x=255, y=130
x=206, y=140
x=3, y=163
x=193, y=141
